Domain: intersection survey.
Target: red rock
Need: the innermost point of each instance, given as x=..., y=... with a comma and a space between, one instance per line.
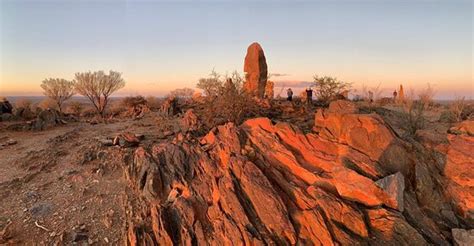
x=459, y=170
x=262, y=183
x=255, y=68
x=465, y=127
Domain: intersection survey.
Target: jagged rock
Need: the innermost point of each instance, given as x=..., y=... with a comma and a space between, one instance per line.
x=126, y=140
x=46, y=119
x=169, y=107
x=263, y=183
x=5, y=106
x=391, y=228
x=255, y=68
x=458, y=169
x=343, y=107
x=394, y=185
x=190, y=121
x=367, y=133
x=462, y=237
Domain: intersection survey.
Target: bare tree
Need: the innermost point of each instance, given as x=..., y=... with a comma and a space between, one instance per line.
x=98, y=86
x=58, y=90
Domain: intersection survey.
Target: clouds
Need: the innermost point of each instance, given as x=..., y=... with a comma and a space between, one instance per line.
x=294, y=84
x=277, y=75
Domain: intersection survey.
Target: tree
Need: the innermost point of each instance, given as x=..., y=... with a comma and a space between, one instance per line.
x=182, y=93
x=98, y=86
x=327, y=88
x=211, y=85
x=58, y=90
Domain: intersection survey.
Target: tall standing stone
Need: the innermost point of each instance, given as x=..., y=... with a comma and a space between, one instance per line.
x=401, y=95
x=255, y=68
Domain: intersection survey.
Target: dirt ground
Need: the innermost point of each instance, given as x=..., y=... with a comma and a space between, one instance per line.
x=61, y=186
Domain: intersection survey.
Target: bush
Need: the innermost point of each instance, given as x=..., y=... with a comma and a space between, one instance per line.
x=228, y=102
x=75, y=108
x=133, y=102
x=426, y=96
x=211, y=85
x=181, y=93
x=327, y=88
x=153, y=102
x=23, y=103
x=47, y=103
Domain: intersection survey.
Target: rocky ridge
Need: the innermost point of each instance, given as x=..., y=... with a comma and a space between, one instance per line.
x=350, y=181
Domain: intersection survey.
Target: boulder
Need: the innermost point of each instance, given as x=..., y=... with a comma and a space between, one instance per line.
x=169, y=107
x=5, y=106
x=255, y=68
x=462, y=237
x=343, y=107
x=126, y=140
x=46, y=119
x=394, y=186
x=190, y=121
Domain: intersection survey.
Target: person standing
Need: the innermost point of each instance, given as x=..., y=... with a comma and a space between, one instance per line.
x=309, y=96
x=289, y=93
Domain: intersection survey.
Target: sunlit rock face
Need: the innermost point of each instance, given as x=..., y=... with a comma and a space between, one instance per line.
x=351, y=181
x=255, y=68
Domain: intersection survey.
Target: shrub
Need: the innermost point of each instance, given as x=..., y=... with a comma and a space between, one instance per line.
x=75, y=108
x=210, y=85
x=230, y=103
x=132, y=102
x=426, y=96
x=181, y=93
x=327, y=88
x=153, y=102
x=23, y=103
x=48, y=103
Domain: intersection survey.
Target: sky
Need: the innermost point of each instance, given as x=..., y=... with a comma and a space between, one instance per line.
x=162, y=45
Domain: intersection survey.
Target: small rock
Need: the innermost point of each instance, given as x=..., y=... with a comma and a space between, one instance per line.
x=106, y=240
x=79, y=236
x=106, y=142
x=462, y=237
x=394, y=185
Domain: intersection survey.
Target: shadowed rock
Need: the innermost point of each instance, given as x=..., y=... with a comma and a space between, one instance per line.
x=394, y=185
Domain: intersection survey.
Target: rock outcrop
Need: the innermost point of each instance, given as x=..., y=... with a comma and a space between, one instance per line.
x=255, y=68
x=46, y=119
x=263, y=183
